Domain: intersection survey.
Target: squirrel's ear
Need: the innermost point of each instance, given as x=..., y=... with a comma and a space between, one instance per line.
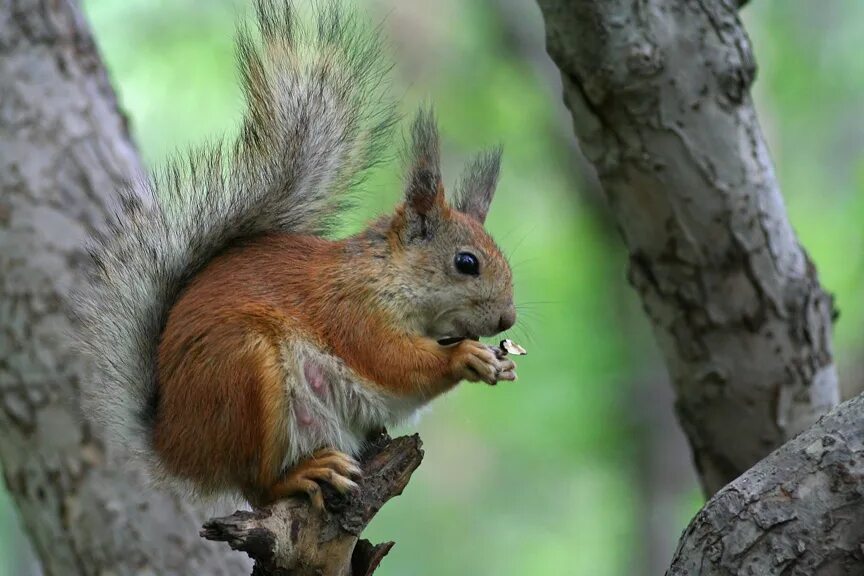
x=424, y=193
x=424, y=173
x=477, y=185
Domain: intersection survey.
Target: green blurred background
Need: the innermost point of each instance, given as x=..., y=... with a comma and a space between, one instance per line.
x=577, y=468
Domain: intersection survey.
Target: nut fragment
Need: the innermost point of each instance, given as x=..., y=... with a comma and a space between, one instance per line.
x=510, y=347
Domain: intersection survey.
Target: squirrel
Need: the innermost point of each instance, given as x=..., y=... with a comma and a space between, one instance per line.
x=237, y=346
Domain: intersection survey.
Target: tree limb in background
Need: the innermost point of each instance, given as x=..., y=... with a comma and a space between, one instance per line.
x=659, y=94
x=64, y=150
x=800, y=511
x=292, y=537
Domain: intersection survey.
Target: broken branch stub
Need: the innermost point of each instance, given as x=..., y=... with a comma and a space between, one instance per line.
x=292, y=536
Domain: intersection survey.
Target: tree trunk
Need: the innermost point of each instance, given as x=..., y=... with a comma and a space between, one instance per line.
x=800, y=511
x=659, y=94
x=64, y=149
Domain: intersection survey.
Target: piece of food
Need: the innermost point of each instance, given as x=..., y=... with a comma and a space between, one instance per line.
x=510, y=347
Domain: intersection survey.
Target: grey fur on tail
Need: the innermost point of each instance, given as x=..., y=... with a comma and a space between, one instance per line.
x=317, y=117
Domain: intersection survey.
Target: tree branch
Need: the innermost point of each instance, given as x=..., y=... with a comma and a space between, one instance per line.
x=292, y=537
x=799, y=511
x=659, y=94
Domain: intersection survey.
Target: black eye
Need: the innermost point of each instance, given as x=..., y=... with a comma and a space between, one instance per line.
x=467, y=263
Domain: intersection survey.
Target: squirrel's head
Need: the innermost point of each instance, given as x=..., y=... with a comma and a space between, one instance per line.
x=457, y=281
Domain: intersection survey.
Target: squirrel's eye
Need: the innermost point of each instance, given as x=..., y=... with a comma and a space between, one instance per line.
x=467, y=263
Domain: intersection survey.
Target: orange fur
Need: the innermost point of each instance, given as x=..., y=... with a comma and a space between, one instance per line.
x=221, y=407
x=220, y=421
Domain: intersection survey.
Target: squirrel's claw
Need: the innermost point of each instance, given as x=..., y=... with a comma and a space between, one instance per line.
x=506, y=370
x=330, y=466
x=475, y=361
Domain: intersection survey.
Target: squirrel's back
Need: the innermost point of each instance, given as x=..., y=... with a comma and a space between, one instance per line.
x=317, y=116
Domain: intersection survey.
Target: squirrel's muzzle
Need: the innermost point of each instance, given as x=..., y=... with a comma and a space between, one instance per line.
x=508, y=319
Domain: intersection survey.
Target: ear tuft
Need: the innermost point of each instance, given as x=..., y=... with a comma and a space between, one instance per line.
x=424, y=173
x=477, y=185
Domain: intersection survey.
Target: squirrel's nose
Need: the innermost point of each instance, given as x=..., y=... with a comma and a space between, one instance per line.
x=507, y=320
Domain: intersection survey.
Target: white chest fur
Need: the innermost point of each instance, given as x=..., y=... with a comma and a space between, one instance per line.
x=329, y=406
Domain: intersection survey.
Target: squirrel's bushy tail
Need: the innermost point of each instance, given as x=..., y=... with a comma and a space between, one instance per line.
x=317, y=117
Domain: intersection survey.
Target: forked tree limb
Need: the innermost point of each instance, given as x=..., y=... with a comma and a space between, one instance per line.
x=659, y=92
x=293, y=537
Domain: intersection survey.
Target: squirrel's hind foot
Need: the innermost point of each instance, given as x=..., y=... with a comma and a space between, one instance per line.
x=331, y=466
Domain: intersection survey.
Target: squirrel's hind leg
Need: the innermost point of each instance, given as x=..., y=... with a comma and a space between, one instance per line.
x=331, y=466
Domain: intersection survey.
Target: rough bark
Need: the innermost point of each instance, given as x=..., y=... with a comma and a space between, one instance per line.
x=659, y=94
x=798, y=512
x=64, y=149
x=292, y=537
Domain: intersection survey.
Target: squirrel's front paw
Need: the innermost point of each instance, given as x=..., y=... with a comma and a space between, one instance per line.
x=475, y=361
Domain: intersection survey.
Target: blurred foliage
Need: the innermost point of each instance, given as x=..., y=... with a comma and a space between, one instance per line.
x=545, y=475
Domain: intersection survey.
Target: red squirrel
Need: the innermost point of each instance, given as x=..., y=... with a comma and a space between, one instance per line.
x=240, y=349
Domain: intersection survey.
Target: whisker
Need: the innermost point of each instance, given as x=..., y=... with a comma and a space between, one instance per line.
x=507, y=234
x=532, y=311
x=524, y=325
x=523, y=262
x=522, y=240
x=527, y=334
